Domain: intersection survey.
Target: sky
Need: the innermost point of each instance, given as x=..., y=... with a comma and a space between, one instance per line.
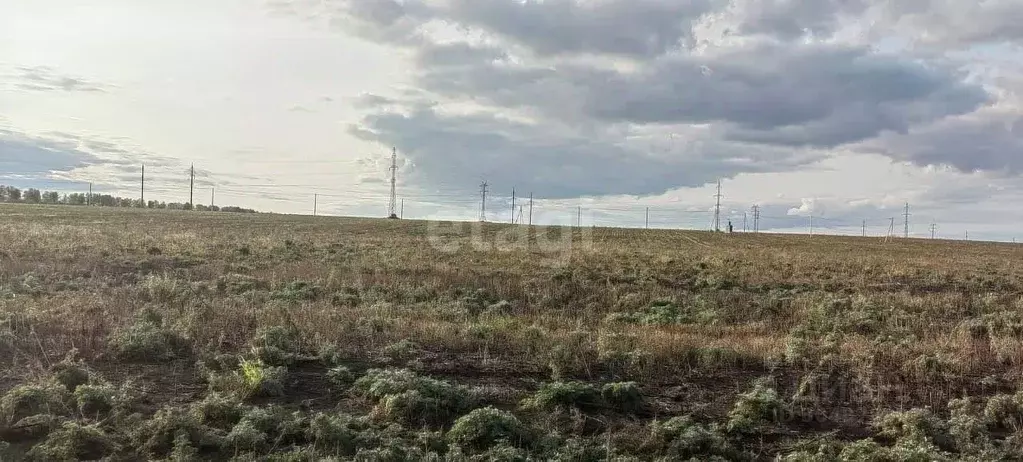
x=609, y=112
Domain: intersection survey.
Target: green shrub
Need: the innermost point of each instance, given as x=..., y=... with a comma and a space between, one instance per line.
x=93, y=400
x=297, y=291
x=681, y=438
x=33, y=428
x=340, y=378
x=337, y=433
x=277, y=345
x=148, y=340
x=402, y=351
x=755, y=408
x=246, y=437
x=555, y=395
x=485, y=427
x=402, y=395
x=623, y=396
x=218, y=411
x=260, y=380
x=911, y=423
x=27, y=400
x=167, y=430
x=70, y=373
x=74, y=441
x=239, y=284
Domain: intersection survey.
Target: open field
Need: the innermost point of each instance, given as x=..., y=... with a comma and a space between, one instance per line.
x=162, y=335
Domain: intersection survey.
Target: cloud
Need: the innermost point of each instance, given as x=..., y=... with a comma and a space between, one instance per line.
x=43, y=78
x=22, y=155
x=990, y=140
x=458, y=150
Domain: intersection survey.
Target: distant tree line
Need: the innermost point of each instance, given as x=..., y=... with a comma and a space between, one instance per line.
x=35, y=196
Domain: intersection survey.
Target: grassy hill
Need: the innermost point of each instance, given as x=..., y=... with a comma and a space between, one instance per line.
x=151, y=334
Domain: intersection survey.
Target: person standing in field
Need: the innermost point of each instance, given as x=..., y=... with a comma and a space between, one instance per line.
x=729, y=226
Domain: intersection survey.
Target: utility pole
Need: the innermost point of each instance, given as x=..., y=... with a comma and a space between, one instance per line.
x=213, y=195
x=717, y=209
x=934, y=227
x=391, y=212
x=647, y=225
x=530, y=209
x=191, y=188
x=967, y=235
x=744, y=222
x=143, y=186
x=756, y=219
x=863, y=229
x=513, y=206
x=483, y=201
x=811, y=223
x=905, y=232
x=891, y=229
x=316, y=200
x=579, y=216
x=401, y=213
x=88, y=200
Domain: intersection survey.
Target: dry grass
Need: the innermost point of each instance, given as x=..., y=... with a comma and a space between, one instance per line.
x=907, y=323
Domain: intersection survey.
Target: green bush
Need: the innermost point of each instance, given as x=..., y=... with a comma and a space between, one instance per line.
x=555, y=395
x=277, y=345
x=27, y=400
x=94, y=400
x=402, y=395
x=74, y=441
x=755, y=408
x=169, y=428
x=260, y=380
x=218, y=411
x=623, y=396
x=681, y=438
x=340, y=378
x=148, y=340
x=70, y=373
x=485, y=427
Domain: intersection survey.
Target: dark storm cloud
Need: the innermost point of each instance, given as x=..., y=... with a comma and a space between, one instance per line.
x=820, y=95
x=457, y=150
x=773, y=81
x=987, y=141
x=637, y=28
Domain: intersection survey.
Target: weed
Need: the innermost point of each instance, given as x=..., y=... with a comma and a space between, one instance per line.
x=148, y=340
x=483, y=428
x=556, y=395
x=340, y=378
x=624, y=396
x=27, y=400
x=403, y=396
x=755, y=408
x=74, y=441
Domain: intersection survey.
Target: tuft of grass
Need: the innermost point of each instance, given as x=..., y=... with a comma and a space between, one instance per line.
x=32, y=399
x=555, y=395
x=148, y=339
x=486, y=427
x=74, y=441
x=405, y=397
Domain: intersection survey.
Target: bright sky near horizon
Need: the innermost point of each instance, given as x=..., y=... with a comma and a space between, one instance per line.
x=843, y=109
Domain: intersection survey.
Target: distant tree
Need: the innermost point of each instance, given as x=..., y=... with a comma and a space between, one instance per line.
x=12, y=194
x=51, y=197
x=32, y=196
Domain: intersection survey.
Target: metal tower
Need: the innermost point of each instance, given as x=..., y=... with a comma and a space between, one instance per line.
x=392, y=211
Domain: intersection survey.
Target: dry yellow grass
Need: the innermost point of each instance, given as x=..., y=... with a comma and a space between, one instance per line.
x=911, y=322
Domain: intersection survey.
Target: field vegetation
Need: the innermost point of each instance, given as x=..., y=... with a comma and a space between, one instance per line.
x=137, y=334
